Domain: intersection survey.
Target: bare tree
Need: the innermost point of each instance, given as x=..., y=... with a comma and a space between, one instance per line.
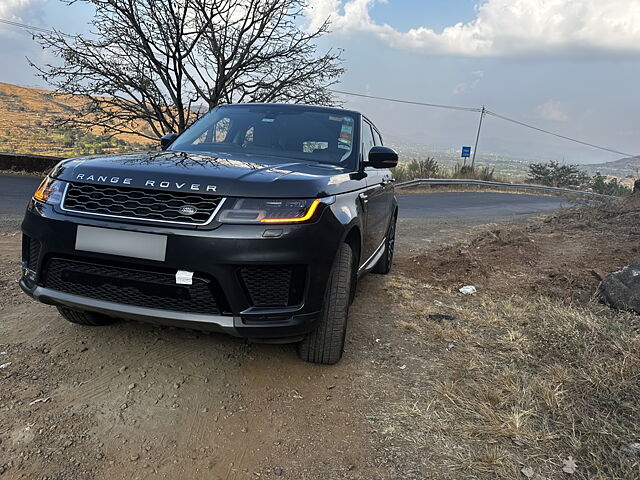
x=150, y=62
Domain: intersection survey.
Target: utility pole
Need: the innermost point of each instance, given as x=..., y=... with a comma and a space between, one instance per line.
x=473, y=160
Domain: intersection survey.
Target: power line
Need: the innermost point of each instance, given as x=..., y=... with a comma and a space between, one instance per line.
x=518, y=122
x=487, y=112
x=410, y=102
x=32, y=27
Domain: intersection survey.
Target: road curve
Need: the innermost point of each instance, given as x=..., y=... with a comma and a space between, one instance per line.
x=16, y=190
x=475, y=204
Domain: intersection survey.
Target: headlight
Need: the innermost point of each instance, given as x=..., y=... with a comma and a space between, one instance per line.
x=267, y=210
x=49, y=191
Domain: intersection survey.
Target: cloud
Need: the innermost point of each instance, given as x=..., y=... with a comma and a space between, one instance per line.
x=345, y=15
x=505, y=28
x=552, y=110
x=19, y=11
x=16, y=10
x=467, y=87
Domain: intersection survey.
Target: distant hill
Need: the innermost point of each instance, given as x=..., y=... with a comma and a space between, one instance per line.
x=619, y=168
x=25, y=116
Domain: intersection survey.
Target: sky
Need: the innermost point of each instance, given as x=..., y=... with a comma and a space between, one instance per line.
x=570, y=66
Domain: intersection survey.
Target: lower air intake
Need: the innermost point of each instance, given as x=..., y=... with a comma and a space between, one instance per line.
x=137, y=287
x=268, y=286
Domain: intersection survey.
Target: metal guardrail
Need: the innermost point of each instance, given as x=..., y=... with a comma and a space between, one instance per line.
x=486, y=183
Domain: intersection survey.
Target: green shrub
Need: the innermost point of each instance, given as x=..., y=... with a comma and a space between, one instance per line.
x=553, y=174
x=599, y=184
x=473, y=172
x=424, y=168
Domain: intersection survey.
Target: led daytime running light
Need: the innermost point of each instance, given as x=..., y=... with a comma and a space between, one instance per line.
x=308, y=215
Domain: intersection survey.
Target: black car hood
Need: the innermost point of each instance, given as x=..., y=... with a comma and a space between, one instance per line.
x=241, y=176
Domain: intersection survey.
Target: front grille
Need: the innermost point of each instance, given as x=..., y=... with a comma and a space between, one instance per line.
x=141, y=288
x=140, y=204
x=31, y=252
x=268, y=286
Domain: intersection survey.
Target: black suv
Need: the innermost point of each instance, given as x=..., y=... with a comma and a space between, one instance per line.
x=256, y=221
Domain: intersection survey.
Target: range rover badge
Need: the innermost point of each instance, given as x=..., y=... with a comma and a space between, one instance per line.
x=188, y=210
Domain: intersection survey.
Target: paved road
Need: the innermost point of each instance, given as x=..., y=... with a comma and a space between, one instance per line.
x=15, y=191
x=475, y=204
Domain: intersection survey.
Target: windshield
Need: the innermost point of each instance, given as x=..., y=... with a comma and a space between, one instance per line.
x=292, y=132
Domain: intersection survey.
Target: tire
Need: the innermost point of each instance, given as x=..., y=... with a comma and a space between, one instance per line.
x=91, y=319
x=384, y=264
x=326, y=344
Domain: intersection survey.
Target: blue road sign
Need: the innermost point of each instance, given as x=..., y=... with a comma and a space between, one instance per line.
x=466, y=152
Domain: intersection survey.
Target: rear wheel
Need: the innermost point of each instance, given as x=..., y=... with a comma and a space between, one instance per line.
x=326, y=344
x=86, y=318
x=384, y=264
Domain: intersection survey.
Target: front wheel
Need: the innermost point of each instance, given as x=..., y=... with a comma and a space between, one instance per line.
x=326, y=344
x=384, y=264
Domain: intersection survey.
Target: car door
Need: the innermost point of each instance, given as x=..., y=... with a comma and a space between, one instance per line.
x=387, y=183
x=373, y=198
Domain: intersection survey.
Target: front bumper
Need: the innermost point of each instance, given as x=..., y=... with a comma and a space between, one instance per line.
x=218, y=257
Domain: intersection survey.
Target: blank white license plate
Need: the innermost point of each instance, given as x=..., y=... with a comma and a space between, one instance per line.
x=121, y=242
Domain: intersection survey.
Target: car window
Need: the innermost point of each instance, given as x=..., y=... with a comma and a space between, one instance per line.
x=367, y=139
x=377, y=138
x=299, y=132
x=216, y=132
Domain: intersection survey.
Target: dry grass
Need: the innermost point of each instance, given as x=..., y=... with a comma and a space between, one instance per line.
x=512, y=382
x=530, y=383
x=26, y=115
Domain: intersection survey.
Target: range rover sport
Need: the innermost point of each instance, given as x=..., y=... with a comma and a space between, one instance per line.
x=256, y=221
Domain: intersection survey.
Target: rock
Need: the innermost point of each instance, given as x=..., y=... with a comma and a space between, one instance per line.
x=278, y=471
x=621, y=289
x=528, y=472
x=569, y=465
x=631, y=448
x=468, y=290
x=132, y=386
x=122, y=369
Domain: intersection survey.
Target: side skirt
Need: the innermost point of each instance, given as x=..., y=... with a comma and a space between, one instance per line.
x=373, y=259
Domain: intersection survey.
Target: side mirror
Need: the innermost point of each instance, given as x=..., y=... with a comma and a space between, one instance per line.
x=382, y=157
x=167, y=140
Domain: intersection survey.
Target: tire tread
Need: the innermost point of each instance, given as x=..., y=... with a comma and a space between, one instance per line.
x=326, y=344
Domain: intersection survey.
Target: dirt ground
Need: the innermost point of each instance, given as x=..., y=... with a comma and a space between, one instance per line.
x=139, y=401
